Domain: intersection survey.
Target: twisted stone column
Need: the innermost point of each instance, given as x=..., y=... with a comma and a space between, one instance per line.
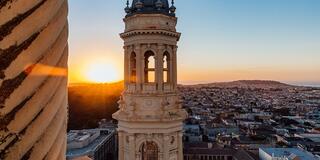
x=33, y=79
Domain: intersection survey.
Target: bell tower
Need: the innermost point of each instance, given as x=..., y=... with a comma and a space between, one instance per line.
x=150, y=118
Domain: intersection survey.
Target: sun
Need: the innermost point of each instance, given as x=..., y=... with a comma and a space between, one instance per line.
x=101, y=73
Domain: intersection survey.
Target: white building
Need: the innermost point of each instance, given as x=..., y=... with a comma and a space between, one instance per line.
x=97, y=144
x=150, y=119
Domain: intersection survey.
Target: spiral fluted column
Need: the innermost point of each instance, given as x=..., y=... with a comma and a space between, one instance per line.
x=33, y=79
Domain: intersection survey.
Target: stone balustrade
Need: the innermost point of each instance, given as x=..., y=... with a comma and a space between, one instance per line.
x=149, y=88
x=167, y=88
x=131, y=88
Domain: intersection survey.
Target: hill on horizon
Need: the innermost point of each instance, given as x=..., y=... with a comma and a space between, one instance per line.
x=247, y=84
x=271, y=83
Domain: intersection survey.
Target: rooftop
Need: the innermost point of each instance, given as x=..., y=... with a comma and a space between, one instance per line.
x=97, y=138
x=312, y=137
x=288, y=152
x=239, y=154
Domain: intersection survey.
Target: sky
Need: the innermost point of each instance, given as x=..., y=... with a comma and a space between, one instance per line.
x=222, y=40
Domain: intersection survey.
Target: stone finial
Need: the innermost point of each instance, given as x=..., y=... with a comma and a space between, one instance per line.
x=139, y=5
x=159, y=5
x=127, y=9
x=172, y=8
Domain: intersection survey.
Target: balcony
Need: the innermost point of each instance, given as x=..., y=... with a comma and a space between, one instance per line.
x=150, y=88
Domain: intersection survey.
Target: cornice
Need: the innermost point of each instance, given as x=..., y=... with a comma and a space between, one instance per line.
x=150, y=32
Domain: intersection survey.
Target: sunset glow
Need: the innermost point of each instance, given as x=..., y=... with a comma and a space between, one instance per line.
x=101, y=73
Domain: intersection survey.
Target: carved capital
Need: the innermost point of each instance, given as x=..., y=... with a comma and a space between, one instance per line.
x=131, y=138
x=166, y=138
x=137, y=48
x=160, y=46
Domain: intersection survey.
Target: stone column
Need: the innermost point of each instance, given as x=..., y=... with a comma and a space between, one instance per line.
x=127, y=68
x=138, y=156
x=180, y=146
x=132, y=146
x=174, y=67
x=143, y=65
x=139, y=66
x=169, y=68
x=159, y=67
x=165, y=147
x=120, y=145
x=146, y=72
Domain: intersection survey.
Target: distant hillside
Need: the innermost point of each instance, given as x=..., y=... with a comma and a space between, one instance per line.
x=248, y=84
x=89, y=103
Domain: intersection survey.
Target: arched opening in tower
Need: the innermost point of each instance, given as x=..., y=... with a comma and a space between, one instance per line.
x=133, y=70
x=149, y=151
x=166, y=67
x=149, y=70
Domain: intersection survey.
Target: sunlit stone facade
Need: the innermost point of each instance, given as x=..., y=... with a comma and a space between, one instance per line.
x=150, y=116
x=33, y=79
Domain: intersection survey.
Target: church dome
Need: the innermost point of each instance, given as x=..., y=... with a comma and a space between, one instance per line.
x=149, y=7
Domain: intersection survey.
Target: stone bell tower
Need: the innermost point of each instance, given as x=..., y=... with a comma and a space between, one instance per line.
x=150, y=116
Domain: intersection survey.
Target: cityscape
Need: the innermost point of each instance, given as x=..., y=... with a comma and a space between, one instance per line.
x=256, y=116
x=159, y=80
x=244, y=119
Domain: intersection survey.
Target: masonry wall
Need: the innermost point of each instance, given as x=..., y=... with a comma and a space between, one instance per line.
x=33, y=79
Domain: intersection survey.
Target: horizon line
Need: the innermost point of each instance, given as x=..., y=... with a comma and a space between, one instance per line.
x=294, y=83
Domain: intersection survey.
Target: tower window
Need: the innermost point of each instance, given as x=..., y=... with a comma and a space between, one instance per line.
x=166, y=67
x=149, y=70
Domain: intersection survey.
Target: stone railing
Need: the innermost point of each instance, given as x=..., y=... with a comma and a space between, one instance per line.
x=149, y=88
x=167, y=88
x=131, y=88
